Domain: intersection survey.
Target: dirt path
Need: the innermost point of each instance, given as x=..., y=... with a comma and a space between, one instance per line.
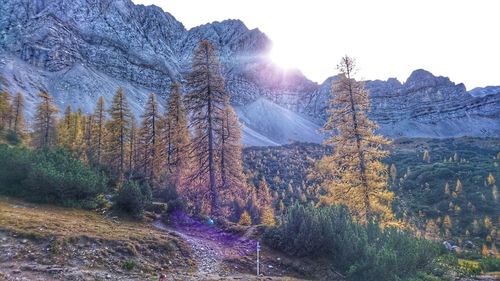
x=212, y=248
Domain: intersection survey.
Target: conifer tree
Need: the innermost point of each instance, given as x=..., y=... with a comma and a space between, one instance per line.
x=151, y=144
x=458, y=187
x=77, y=133
x=447, y=189
x=134, y=149
x=99, y=130
x=245, y=219
x=265, y=203
x=426, y=157
x=18, y=125
x=118, y=136
x=353, y=174
x=491, y=179
x=64, y=128
x=88, y=137
x=393, y=173
x=45, y=122
x=5, y=109
x=205, y=103
x=176, y=137
x=264, y=193
x=233, y=182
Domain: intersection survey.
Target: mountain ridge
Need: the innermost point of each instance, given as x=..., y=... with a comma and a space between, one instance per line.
x=78, y=50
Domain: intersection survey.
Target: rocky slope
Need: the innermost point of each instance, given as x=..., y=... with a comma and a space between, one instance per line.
x=80, y=49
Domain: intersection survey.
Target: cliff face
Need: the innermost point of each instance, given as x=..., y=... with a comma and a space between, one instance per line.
x=81, y=49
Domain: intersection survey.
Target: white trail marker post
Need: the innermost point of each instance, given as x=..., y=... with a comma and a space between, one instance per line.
x=258, y=265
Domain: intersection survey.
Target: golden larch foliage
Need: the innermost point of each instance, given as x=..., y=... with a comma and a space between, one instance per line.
x=353, y=174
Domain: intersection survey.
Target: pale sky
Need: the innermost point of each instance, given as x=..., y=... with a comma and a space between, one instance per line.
x=388, y=38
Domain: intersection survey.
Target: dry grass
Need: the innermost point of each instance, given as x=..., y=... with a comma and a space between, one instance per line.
x=41, y=221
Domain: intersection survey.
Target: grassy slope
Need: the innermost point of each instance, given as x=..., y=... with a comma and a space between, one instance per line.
x=55, y=236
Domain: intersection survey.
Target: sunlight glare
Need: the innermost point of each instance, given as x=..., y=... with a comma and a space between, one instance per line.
x=282, y=57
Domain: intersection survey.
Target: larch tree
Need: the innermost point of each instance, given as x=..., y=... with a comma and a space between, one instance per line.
x=5, y=109
x=77, y=133
x=233, y=186
x=64, y=128
x=353, y=174
x=393, y=173
x=88, y=138
x=134, y=149
x=45, y=122
x=118, y=128
x=176, y=137
x=99, y=131
x=265, y=202
x=205, y=102
x=18, y=122
x=151, y=142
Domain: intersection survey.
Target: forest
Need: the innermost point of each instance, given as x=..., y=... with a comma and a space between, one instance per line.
x=373, y=208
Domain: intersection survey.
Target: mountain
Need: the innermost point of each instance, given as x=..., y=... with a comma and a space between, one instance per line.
x=80, y=49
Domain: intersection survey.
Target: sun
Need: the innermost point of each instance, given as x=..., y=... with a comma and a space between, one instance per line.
x=282, y=57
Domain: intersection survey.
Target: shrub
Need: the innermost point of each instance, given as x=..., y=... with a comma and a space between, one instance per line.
x=362, y=252
x=49, y=176
x=490, y=264
x=132, y=198
x=128, y=265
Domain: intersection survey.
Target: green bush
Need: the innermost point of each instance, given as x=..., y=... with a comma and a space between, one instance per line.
x=362, y=252
x=49, y=176
x=128, y=265
x=133, y=199
x=490, y=264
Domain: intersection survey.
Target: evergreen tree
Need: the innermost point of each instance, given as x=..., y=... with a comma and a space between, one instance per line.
x=45, y=122
x=18, y=125
x=99, y=130
x=118, y=136
x=151, y=144
x=353, y=174
x=205, y=103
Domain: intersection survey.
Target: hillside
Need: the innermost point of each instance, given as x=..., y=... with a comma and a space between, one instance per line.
x=41, y=242
x=419, y=185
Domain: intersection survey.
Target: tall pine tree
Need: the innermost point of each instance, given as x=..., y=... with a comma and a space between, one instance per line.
x=353, y=174
x=118, y=136
x=99, y=131
x=205, y=103
x=176, y=136
x=5, y=109
x=233, y=186
x=151, y=143
x=45, y=122
x=18, y=125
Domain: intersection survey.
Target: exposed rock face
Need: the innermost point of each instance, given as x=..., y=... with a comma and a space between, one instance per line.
x=81, y=49
x=425, y=106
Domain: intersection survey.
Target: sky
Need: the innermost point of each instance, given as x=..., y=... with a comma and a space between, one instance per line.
x=388, y=38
